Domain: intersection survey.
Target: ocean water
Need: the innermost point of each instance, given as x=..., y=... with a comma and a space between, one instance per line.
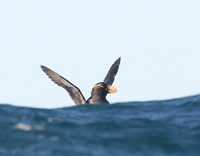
x=154, y=128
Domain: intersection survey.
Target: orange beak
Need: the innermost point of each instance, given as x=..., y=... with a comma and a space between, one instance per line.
x=112, y=89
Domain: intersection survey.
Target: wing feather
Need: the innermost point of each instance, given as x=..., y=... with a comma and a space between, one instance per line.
x=73, y=91
x=110, y=77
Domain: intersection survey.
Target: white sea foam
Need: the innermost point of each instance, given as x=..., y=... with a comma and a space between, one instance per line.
x=23, y=126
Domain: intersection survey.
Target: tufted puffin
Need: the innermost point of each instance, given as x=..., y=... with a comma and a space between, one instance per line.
x=99, y=91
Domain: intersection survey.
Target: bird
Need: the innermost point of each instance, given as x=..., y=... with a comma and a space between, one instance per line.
x=99, y=91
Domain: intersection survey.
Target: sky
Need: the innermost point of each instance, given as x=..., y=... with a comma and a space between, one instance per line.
x=158, y=41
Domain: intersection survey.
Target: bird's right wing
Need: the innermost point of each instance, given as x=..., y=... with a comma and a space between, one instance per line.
x=110, y=77
x=73, y=91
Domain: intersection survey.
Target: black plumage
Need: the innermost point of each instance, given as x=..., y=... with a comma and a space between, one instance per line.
x=99, y=91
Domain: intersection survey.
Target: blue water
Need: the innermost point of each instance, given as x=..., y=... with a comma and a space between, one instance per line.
x=155, y=128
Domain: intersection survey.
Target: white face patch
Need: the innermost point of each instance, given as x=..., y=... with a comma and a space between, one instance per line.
x=99, y=86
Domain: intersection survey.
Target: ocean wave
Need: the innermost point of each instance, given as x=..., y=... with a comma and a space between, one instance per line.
x=167, y=127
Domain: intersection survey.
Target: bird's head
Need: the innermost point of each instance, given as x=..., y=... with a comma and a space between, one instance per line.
x=102, y=89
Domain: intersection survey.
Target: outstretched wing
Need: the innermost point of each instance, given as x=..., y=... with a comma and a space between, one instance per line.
x=110, y=77
x=73, y=91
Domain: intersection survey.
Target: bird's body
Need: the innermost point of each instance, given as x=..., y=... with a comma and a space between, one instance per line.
x=98, y=94
x=99, y=91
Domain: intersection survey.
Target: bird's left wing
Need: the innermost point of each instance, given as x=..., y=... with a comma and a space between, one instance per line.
x=73, y=91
